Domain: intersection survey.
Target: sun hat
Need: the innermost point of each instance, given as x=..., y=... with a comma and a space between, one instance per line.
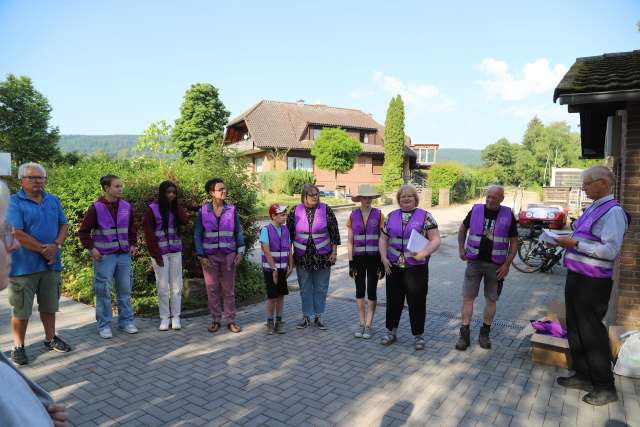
x=276, y=209
x=365, y=190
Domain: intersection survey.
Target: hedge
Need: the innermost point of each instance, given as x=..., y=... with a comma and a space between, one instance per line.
x=77, y=186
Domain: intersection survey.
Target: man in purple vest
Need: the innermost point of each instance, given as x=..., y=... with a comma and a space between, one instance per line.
x=108, y=233
x=591, y=253
x=490, y=248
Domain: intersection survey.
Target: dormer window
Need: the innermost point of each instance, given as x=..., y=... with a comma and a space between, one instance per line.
x=364, y=137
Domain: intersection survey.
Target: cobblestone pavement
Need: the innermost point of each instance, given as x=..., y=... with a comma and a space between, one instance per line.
x=312, y=377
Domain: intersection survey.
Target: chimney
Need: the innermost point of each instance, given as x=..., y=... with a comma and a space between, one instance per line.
x=300, y=102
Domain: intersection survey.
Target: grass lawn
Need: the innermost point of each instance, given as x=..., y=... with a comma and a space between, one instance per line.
x=267, y=199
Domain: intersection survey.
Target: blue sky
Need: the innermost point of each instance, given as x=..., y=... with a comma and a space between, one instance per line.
x=470, y=72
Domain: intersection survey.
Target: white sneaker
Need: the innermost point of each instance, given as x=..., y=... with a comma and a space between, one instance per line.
x=130, y=329
x=105, y=333
x=164, y=325
x=175, y=323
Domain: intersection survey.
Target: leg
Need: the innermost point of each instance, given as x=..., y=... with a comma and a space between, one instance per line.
x=305, y=281
x=372, y=288
x=21, y=292
x=162, y=285
x=395, y=298
x=321, y=280
x=470, y=289
x=175, y=280
x=491, y=284
x=48, y=301
x=229, y=288
x=124, y=280
x=279, y=306
x=103, y=272
x=212, y=278
x=572, y=290
x=360, y=279
x=417, y=284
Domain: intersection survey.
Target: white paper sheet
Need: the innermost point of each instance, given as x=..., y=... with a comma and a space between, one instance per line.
x=548, y=236
x=417, y=242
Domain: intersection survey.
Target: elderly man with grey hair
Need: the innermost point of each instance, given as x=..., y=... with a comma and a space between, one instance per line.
x=41, y=228
x=591, y=252
x=490, y=248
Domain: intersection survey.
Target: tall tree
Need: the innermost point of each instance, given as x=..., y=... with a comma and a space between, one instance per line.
x=156, y=142
x=24, y=122
x=393, y=167
x=533, y=134
x=334, y=150
x=202, y=119
x=503, y=154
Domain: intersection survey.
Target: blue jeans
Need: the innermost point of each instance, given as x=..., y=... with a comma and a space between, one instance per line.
x=110, y=267
x=313, y=290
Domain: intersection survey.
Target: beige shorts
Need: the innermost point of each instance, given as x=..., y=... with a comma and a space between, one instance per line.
x=473, y=275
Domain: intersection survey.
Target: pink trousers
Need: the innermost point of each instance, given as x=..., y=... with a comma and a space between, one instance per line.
x=221, y=275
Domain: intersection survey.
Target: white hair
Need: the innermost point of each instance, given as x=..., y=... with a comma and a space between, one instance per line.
x=22, y=170
x=497, y=187
x=4, y=200
x=600, y=172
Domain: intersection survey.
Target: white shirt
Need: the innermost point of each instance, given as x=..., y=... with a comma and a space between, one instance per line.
x=610, y=228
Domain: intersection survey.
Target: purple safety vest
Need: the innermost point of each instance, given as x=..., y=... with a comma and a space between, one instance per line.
x=399, y=238
x=279, y=248
x=318, y=233
x=365, y=238
x=168, y=242
x=111, y=237
x=218, y=238
x=582, y=263
x=500, y=246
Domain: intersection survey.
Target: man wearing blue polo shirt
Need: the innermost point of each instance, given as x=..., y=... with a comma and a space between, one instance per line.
x=41, y=228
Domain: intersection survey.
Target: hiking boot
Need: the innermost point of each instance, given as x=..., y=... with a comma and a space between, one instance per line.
x=464, y=341
x=366, y=332
x=57, y=344
x=304, y=324
x=319, y=324
x=600, y=397
x=483, y=338
x=19, y=355
x=576, y=382
x=419, y=343
x=164, y=325
x=359, y=332
x=280, y=327
x=270, y=327
x=234, y=327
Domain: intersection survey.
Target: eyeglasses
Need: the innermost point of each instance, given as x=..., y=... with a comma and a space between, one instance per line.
x=35, y=178
x=220, y=190
x=312, y=194
x=7, y=234
x=586, y=184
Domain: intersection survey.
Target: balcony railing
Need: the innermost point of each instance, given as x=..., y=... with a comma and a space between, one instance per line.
x=244, y=145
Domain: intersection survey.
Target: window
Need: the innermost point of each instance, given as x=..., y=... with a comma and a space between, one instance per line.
x=304, y=163
x=426, y=155
x=431, y=155
x=376, y=166
x=315, y=132
x=258, y=162
x=364, y=137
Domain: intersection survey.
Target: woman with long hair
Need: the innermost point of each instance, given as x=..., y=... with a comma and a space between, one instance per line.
x=162, y=222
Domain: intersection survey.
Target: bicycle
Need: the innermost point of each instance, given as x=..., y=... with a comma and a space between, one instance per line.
x=534, y=255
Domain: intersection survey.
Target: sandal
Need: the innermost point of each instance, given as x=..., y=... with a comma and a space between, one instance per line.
x=214, y=327
x=234, y=327
x=419, y=344
x=388, y=339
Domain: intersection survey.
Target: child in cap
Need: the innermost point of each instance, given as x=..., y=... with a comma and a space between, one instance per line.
x=277, y=264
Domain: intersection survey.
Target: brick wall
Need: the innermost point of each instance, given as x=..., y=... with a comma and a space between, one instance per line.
x=628, y=294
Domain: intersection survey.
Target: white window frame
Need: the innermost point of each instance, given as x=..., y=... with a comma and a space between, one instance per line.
x=304, y=163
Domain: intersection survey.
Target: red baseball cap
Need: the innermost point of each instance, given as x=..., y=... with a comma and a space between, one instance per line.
x=276, y=209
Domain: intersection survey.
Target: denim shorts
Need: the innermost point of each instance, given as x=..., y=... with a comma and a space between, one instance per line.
x=45, y=285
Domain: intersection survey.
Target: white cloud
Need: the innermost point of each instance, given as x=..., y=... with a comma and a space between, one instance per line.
x=536, y=77
x=420, y=96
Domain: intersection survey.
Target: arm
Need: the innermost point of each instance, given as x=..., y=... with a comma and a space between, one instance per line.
x=334, y=234
x=462, y=237
x=614, y=225
x=433, y=235
x=198, y=233
x=239, y=239
x=89, y=222
x=383, y=243
x=349, y=240
x=133, y=235
x=149, y=228
x=503, y=270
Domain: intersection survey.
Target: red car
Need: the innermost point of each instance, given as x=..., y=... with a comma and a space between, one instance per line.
x=551, y=216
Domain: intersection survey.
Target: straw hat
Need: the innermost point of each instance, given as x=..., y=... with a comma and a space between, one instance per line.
x=365, y=190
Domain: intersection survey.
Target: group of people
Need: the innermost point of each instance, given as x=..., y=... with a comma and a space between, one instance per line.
x=306, y=238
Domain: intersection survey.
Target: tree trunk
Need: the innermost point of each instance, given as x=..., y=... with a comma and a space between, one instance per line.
x=335, y=176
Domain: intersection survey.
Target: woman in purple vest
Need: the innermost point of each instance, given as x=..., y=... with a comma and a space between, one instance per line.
x=364, y=225
x=162, y=222
x=407, y=272
x=592, y=251
x=314, y=231
x=219, y=246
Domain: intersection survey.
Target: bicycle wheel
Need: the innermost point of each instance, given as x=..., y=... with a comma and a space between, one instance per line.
x=523, y=267
x=531, y=252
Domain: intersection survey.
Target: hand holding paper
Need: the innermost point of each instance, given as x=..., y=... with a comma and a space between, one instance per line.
x=417, y=242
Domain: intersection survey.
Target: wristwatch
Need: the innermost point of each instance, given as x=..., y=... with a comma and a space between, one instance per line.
x=577, y=242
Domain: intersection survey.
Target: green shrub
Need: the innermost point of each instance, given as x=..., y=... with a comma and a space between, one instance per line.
x=272, y=181
x=443, y=175
x=77, y=186
x=295, y=179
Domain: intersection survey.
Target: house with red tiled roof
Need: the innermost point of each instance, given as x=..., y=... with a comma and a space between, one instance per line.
x=277, y=135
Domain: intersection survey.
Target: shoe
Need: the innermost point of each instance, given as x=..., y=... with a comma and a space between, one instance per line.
x=105, y=333
x=130, y=328
x=576, y=382
x=600, y=397
x=359, y=332
x=419, y=343
x=304, y=324
x=318, y=323
x=483, y=338
x=388, y=339
x=464, y=341
x=19, y=355
x=164, y=325
x=57, y=344
x=175, y=323
x=214, y=326
x=366, y=333
x=234, y=327
x=270, y=327
x=280, y=327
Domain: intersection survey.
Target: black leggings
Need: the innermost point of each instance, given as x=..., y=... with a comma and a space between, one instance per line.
x=366, y=267
x=412, y=283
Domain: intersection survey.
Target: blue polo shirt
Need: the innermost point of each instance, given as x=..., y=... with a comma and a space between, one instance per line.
x=42, y=222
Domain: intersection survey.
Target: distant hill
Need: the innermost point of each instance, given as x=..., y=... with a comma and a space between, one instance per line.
x=109, y=144
x=465, y=156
